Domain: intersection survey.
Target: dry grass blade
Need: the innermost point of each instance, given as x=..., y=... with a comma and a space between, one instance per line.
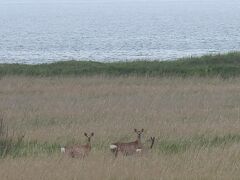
x=196, y=122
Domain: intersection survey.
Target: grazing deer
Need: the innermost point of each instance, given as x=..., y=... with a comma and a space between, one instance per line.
x=127, y=148
x=80, y=151
x=144, y=149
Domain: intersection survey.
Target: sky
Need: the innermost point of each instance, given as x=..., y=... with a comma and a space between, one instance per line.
x=6, y=2
x=76, y=1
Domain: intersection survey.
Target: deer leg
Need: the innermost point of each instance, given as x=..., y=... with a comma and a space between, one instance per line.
x=116, y=152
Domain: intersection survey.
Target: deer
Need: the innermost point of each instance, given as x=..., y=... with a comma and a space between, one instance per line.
x=80, y=151
x=144, y=149
x=129, y=148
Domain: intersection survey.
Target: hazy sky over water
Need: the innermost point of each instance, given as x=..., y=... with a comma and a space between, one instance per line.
x=89, y=1
x=38, y=31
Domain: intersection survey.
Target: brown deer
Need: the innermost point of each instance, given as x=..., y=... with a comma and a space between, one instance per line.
x=145, y=149
x=79, y=151
x=127, y=148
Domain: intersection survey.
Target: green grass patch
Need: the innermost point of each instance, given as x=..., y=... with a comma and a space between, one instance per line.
x=15, y=148
x=182, y=145
x=226, y=65
x=20, y=148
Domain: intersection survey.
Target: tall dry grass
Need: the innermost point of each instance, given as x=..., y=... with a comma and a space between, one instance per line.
x=195, y=120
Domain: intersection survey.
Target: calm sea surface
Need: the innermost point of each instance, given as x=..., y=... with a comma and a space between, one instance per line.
x=33, y=32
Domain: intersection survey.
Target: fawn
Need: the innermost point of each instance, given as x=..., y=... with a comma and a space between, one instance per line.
x=80, y=151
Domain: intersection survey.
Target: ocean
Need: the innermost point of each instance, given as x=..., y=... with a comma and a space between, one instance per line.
x=35, y=32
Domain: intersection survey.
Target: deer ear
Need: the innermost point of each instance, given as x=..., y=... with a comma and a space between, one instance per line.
x=85, y=134
x=92, y=134
x=142, y=130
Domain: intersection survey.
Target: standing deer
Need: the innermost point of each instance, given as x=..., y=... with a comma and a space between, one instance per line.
x=127, y=148
x=144, y=149
x=79, y=151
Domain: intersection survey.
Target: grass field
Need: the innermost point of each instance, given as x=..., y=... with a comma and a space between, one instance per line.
x=196, y=122
x=221, y=65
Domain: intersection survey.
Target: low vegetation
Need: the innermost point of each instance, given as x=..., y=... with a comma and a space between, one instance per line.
x=226, y=65
x=195, y=121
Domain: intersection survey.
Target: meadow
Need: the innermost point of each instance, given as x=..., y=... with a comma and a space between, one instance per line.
x=196, y=122
x=221, y=65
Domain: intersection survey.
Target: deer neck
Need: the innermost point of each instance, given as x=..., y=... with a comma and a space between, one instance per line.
x=88, y=144
x=139, y=141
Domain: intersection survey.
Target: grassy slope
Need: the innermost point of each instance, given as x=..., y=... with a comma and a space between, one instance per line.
x=185, y=114
x=227, y=65
x=195, y=122
x=166, y=146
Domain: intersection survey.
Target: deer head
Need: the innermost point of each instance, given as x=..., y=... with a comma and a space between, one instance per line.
x=139, y=133
x=89, y=137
